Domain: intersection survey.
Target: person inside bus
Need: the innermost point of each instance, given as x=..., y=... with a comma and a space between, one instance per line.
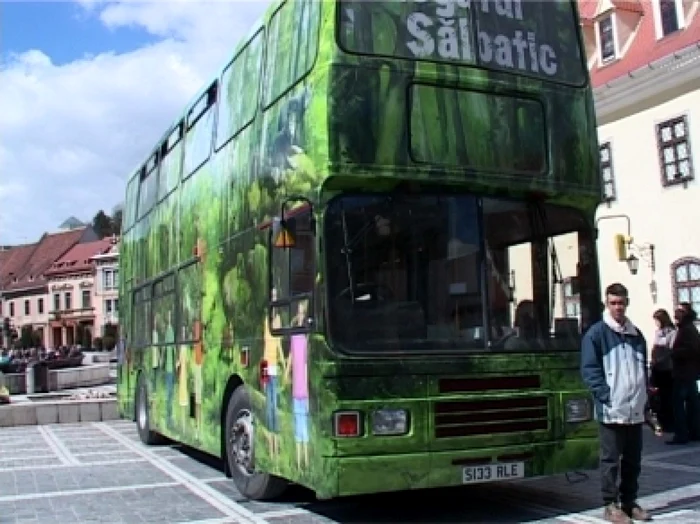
x=525, y=336
x=686, y=367
x=661, y=378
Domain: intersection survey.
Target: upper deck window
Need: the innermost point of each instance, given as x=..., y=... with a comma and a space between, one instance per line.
x=530, y=38
x=292, y=43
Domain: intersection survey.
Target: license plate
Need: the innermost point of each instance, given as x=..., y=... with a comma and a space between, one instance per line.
x=493, y=472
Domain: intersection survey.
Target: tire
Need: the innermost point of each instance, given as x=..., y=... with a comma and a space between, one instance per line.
x=143, y=415
x=239, y=433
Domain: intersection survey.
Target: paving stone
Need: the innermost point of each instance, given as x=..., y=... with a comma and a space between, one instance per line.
x=68, y=413
x=93, y=493
x=46, y=414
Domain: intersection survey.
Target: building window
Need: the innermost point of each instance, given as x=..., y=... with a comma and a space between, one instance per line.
x=572, y=300
x=12, y=309
x=111, y=309
x=56, y=302
x=40, y=306
x=606, y=34
x=668, y=11
x=674, y=151
x=27, y=307
x=110, y=279
x=606, y=172
x=685, y=274
x=68, y=302
x=86, y=299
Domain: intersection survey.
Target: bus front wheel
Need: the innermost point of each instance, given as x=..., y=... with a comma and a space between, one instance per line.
x=240, y=451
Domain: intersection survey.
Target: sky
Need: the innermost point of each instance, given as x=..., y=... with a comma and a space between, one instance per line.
x=86, y=90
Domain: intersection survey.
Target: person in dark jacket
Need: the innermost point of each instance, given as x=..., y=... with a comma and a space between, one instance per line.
x=686, y=368
x=661, y=369
x=614, y=367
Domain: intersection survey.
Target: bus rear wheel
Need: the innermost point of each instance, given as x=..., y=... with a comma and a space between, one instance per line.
x=240, y=451
x=143, y=415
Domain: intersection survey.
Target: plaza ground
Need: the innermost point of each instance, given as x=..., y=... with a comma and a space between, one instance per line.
x=100, y=472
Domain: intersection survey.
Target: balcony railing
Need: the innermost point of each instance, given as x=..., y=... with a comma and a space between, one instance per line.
x=69, y=314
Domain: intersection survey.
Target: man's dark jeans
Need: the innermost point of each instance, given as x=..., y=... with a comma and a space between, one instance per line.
x=620, y=441
x=686, y=410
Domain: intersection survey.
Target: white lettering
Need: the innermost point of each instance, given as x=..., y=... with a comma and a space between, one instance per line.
x=424, y=45
x=446, y=8
x=451, y=35
x=548, y=60
x=518, y=7
x=520, y=45
x=533, y=52
x=504, y=8
x=504, y=51
x=448, y=46
x=485, y=50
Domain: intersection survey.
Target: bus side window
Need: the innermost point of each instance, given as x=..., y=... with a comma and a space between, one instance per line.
x=189, y=294
x=292, y=272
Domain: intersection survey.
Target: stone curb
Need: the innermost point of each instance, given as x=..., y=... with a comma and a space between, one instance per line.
x=58, y=412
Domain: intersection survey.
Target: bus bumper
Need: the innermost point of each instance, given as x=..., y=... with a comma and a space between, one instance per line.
x=384, y=473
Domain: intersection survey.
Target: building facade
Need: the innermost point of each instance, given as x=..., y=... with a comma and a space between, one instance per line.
x=644, y=59
x=24, y=290
x=73, y=318
x=107, y=293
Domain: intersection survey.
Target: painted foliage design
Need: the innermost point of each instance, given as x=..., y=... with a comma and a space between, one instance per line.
x=494, y=136
x=237, y=157
x=209, y=227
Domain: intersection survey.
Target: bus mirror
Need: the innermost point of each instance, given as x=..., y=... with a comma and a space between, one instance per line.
x=282, y=234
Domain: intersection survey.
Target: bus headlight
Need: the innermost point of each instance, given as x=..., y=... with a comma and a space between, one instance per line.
x=578, y=410
x=390, y=422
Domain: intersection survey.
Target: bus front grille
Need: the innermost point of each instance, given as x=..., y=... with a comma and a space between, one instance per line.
x=467, y=418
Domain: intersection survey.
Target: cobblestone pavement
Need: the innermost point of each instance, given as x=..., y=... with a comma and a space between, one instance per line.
x=100, y=472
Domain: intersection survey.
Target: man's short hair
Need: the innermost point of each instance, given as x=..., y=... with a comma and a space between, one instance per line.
x=617, y=290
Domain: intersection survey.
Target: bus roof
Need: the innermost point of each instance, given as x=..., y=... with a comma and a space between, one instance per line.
x=258, y=25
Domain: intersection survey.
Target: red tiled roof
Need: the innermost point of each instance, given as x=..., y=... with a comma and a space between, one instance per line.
x=46, y=251
x=645, y=48
x=13, y=262
x=77, y=259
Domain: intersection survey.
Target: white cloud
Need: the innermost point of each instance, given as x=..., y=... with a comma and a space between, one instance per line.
x=69, y=134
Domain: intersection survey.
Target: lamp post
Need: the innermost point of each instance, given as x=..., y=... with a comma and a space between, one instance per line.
x=633, y=264
x=646, y=252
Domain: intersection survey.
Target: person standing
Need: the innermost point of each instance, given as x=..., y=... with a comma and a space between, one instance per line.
x=686, y=367
x=614, y=367
x=661, y=368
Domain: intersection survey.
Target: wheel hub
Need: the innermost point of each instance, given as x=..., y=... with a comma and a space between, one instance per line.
x=241, y=443
x=142, y=415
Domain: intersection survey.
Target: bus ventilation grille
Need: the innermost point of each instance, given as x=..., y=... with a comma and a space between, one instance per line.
x=485, y=417
x=466, y=385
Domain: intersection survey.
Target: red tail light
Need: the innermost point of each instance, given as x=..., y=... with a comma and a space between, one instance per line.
x=347, y=424
x=264, y=376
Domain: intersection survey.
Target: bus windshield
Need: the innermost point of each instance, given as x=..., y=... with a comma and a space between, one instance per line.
x=534, y=38
x=444, y=271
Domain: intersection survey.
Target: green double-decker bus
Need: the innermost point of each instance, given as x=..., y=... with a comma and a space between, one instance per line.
x=363, y=258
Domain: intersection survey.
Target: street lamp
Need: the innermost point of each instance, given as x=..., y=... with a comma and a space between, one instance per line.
x=633, y=264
